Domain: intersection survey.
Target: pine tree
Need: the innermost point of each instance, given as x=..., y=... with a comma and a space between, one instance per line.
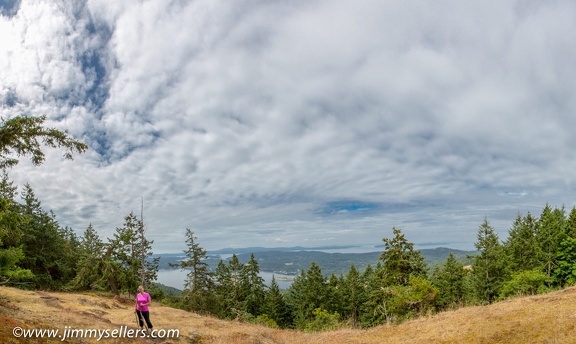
x=307, y=293
x=11, y=252
x=255, y=287
x=274, y=305
x=25, y=135
x=354, y=295
x=551, y=232
x=449, y=280
x=198, y=284
x=521, y=246
x=489, y=268
x=42, y=243
x=400, y=260
x=91, y=250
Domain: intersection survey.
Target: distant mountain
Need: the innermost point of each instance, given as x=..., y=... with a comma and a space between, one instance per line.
x=249, y=250
x=291, y=263
x=291, y=260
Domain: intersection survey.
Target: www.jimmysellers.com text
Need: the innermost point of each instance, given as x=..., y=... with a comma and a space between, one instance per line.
x=98, y=334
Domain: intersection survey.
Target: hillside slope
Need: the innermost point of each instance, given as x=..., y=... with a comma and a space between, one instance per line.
x=549, y=318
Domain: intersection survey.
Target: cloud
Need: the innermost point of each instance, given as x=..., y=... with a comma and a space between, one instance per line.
x=252, y=121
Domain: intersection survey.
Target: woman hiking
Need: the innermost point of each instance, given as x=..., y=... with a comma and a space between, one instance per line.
x=142, y=302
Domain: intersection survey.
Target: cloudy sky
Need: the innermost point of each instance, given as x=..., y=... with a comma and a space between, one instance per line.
x=297, y=122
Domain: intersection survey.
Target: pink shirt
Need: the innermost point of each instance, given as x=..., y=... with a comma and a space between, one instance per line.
x=142, y=299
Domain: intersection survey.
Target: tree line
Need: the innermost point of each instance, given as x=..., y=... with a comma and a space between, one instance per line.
x=538, y=255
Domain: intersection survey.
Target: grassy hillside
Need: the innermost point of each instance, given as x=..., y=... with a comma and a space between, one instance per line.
x=549, y=318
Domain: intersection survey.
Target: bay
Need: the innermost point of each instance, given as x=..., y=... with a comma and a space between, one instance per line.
x=176, y=278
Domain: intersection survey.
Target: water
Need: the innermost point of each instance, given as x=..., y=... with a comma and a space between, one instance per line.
x=175, y=278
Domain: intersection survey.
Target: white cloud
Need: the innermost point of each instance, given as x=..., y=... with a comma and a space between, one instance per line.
x=241, y=119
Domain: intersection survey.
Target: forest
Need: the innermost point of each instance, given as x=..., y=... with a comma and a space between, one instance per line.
x=537, y=256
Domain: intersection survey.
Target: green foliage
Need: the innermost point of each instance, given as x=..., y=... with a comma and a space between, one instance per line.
x=90, y=252
x=449, y=281
x=307, y=292
x=275, y=306
x=523, y=283
x=264, y=319
x=396, y=303
x=48, y=251
x=489, y=268
x=565, y=271
x=400, y=260
x=198, y=288
x=521, y=246
x=323, y=321
x=25, y=135
x=11, y=252
x=551, y=232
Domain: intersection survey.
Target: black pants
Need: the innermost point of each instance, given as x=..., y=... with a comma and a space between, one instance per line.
x=146, y=316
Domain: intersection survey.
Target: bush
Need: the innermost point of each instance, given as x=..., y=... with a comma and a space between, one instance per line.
x=263, y=319
x=323, y=321
x=528, y=282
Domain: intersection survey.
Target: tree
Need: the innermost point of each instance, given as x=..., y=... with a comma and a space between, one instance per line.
x=24, y=135
x=521, y=246
x=11, y=253
x=400, y=260
x=354, y=295
x=307, y=293
x=489, y=268
x=198, y=283
x=91, y=251
x=255, y=287
x=43, y=243
x=121, y=264
x=274, y=305
x=21, y=136
x=551, y=232
x=449, y=280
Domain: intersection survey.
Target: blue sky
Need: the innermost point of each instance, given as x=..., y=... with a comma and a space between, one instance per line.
x=281, y=123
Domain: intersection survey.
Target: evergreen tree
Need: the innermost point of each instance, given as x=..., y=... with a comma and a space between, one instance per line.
x=489, y=268
x=121, y=264
x=25, y=135
x=354, y=295
x=522, y=247
x=275, y=307
x=91, y=250
x=255, y=287
x=551, y=232
x=571, y=224
x=198, y=284
x=335, y=294
x=449, y=280
x=232, y=288
x=42, y=243
x=400, y=260
x=11, y=252
x=307, y=293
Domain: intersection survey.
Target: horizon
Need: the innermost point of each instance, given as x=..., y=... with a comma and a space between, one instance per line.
x=296, y=123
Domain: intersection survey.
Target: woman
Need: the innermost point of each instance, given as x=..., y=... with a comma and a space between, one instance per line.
x=142, y=302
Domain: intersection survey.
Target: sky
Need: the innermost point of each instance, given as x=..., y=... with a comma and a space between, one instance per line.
x=283, y=123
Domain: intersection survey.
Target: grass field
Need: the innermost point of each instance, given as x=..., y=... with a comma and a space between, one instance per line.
x=548, y=318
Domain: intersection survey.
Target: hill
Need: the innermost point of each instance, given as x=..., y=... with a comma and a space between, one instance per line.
x=548, y=318
x=290, y=261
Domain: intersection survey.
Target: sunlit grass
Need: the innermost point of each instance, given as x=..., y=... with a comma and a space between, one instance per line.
x=548, y=318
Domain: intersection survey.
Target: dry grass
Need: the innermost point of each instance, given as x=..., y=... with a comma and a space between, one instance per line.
x=548, y=318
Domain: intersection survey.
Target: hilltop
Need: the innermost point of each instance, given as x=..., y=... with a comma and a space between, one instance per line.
x=536, y=319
